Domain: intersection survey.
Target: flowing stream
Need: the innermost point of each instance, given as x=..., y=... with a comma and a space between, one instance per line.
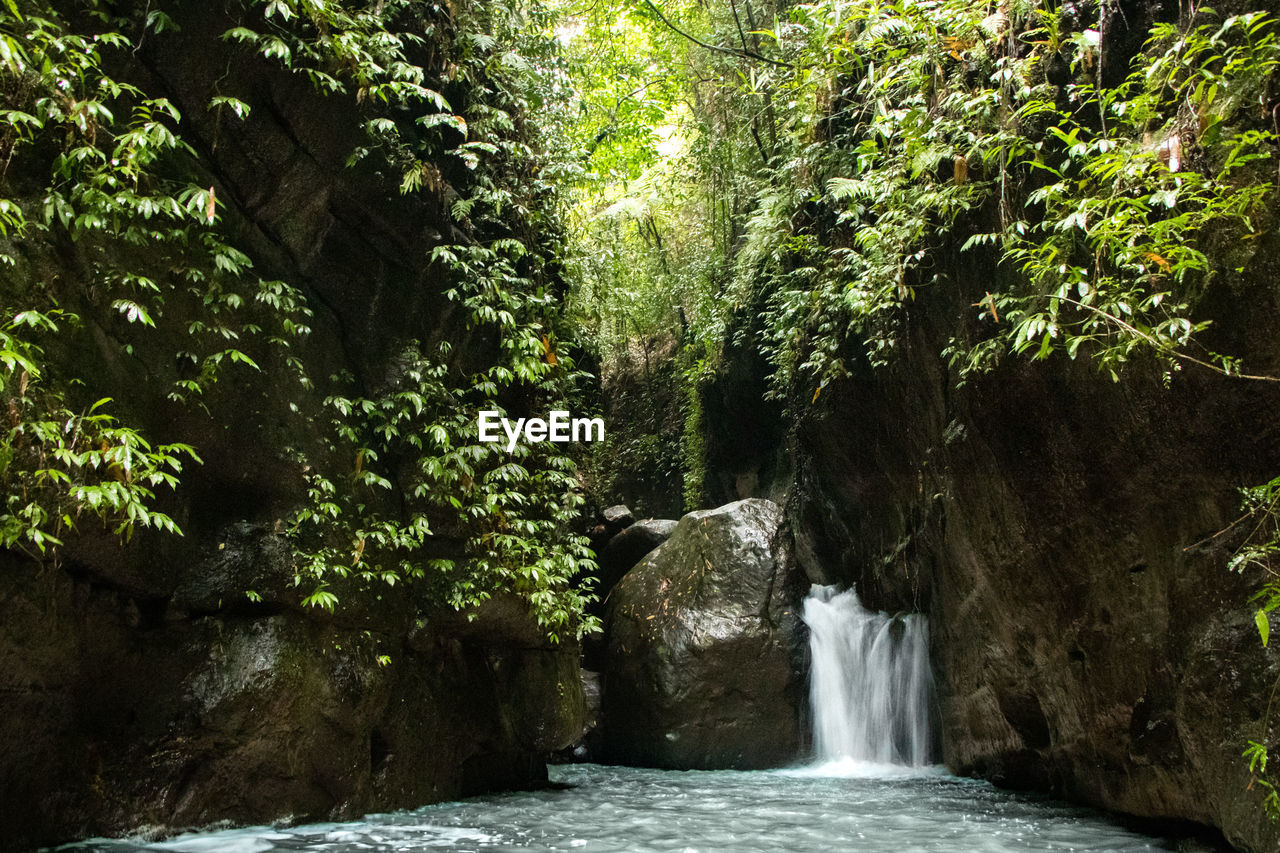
x=872, y=788
x=616, y=809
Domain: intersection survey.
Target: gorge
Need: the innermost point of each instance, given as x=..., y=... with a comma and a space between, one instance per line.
x=870, y=783
x=634, y=809
x=927, y=351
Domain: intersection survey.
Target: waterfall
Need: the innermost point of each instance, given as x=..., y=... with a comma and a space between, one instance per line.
x=871, y=687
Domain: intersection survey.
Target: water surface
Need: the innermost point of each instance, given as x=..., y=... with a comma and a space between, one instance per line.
x=615, y=809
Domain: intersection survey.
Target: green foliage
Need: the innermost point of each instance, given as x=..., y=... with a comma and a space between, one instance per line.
x=107, y=152
x=1261, y=546
x=1111, y=202
x=511, y=514
x=414, y=494
x=1130, y=234
x=57, y=465
x=669, y=152
x=1258, y=554
x=1257, y=755
x=403, y=490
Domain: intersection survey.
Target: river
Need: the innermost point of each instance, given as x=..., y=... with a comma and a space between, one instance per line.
x=616, y=809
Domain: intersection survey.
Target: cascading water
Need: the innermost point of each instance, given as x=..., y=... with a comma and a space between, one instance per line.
x=871, y=687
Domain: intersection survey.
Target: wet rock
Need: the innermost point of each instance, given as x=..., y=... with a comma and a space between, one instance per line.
x=501, y=620
x=628, y=548
x=699, y=667
x=247, y=558
x=114, y=720
x=591, y=693
x=586, y=747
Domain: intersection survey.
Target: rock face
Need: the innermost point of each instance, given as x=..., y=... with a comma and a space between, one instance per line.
x=699, y=670
x=640, y=461
x=1063, y=533
x=127, y=711
x=1091, y=640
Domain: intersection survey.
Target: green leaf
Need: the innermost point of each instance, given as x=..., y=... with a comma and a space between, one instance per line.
x=241, y=34
x=239, y=107
x=1264, y=625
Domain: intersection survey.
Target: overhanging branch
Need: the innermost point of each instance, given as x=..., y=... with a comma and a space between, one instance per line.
x=741, y=54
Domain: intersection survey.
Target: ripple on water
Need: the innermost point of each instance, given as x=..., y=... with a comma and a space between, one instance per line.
x=630, y=810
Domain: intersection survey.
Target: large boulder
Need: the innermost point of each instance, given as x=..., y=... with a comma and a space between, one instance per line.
x=628, y=548
x=700, y=672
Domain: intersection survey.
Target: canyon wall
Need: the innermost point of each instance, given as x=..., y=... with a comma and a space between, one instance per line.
x=1069, y=538
x=142, y=689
